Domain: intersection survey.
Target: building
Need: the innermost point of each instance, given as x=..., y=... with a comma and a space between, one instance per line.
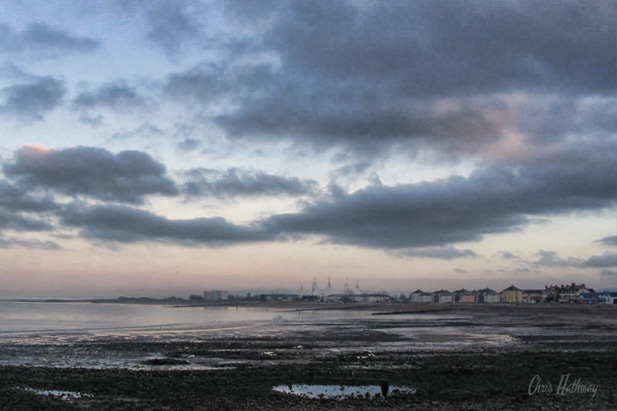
x=427, y=297
x=512, y=295
x=565, y=293
x=487, y=296
x=467, y=297
x=443, y=297
x=607, y=297
x=588, y=298
x=358, y=298
x=456, y=295
x=416, y=296
x=532, y=296
x=372, y=298
x=491, y=297
x=216, y=295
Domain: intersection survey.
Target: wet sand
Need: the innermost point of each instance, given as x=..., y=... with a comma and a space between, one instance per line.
x=450, y=357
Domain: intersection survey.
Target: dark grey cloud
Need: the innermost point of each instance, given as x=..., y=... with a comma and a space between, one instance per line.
x=188, y=144
x=607, y=259
x=171, y=24
x=552, y=259
x=127, y=225
x=493, y=199
x=205, y=82
x=22, y=210
x=242, y=182
x=117, y=96
x=93, y=121
x=12, y=242
x=34, y=99
x=444, y=73
x=428, y=216
x=19, y=198
x=443, y=253
x=145, y=130
x=42, y=40
x=15, y=221
x=507, y=255
x=127, y=177
x=610, y=240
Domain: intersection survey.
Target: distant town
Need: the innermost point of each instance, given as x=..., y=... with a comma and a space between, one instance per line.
x=569, y=293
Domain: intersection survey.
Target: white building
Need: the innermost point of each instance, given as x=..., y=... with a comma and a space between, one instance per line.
x=216, y=295
x=416, y=296
x=427, y=298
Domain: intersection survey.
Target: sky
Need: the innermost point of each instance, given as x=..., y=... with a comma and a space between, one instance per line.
x=166, y=147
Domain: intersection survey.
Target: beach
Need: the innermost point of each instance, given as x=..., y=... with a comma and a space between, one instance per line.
x=433, y=356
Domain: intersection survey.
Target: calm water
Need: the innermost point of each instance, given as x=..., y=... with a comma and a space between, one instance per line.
x=68, y=334
x=20, y=317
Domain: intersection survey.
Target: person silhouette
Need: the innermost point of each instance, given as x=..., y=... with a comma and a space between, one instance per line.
x=385, y=387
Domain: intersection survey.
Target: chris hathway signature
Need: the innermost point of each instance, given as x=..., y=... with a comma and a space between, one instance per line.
x=566, y=386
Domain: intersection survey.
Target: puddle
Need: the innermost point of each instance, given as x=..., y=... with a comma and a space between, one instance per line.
x=338, y=391
x=63, y=395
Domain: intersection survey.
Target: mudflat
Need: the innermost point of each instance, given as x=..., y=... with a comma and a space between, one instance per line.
x=444, y=357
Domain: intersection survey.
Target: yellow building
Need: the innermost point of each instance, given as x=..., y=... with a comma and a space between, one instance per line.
x=512, y=295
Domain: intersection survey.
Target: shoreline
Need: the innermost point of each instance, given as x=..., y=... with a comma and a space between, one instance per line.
x=488, y=358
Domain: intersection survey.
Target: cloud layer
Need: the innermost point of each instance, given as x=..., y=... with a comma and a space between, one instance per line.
x=457, y=78
x=493, y=199
x=41, y=40
x=125, y=224
x=125, y=177
x=244, y=183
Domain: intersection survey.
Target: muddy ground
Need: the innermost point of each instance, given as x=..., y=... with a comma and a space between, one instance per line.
x=482, y=357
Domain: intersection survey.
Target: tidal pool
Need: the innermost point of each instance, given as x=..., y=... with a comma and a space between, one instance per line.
x=339, y=391
x=63, y=395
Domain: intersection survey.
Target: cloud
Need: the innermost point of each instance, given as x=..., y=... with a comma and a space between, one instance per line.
x=493, y=199
x=552, y=259
x=33, y=100
x=146, y=130
x=19, y=198
x=507, y=255
x=188, y=144
x=126, y=177
x=117, y=96
x=444, y=253
x=459, y=78
x=243, y=182
x=170, y=23
x=11, y=242
x=127, y=225
x=609, y=273
x=610, y=240
x=428, y=216
x=16, y=222
x=18, y=204
x=607, y=259
x=41, y=40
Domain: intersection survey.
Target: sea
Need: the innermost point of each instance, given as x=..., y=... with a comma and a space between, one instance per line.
x=74, y=334
x=108, y=335
x=51, y=317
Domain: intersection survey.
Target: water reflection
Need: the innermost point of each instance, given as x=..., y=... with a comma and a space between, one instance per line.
x=338, y=391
